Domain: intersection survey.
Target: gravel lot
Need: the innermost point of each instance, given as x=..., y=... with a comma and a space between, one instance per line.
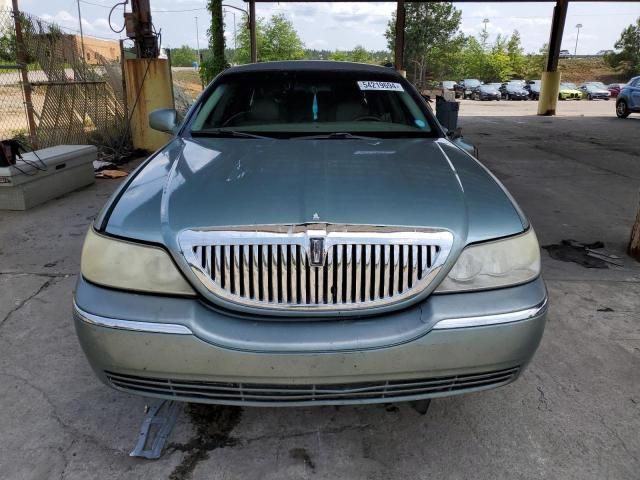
x=575, y=413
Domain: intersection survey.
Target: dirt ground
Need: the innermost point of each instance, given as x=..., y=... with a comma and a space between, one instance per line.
x=574, y=414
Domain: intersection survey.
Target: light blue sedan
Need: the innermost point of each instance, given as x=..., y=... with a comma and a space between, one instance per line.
x=628, y=100
x=310, y=235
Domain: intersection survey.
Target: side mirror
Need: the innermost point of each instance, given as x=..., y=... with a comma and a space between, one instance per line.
x=163, y=120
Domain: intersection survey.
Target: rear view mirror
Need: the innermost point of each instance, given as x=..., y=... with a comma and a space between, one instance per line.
x=163, y=120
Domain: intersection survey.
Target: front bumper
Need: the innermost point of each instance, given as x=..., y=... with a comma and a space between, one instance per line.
x=213, y=357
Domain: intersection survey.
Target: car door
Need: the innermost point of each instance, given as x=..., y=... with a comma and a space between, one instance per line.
x=634, y=95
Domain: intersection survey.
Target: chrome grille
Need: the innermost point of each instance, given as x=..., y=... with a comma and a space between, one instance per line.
x=272, y=269
x=279, y=394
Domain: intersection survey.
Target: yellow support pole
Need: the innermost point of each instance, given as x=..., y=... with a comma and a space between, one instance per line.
x=549, y=89
x=149, y=87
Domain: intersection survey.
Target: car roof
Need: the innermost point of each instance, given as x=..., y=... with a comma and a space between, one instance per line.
x=311, y=65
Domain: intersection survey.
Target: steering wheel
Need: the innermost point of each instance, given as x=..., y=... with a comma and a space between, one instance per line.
x=367, y=117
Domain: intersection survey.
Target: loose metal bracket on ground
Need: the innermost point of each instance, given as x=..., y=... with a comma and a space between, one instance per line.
x=156, y=428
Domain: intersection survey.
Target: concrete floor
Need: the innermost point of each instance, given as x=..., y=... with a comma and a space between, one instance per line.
x=575, y=413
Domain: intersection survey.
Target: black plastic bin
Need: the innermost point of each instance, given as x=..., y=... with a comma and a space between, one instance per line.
x=447, y=113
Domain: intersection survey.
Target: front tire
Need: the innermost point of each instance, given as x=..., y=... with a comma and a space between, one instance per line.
x=622, y=110
x=589, y=97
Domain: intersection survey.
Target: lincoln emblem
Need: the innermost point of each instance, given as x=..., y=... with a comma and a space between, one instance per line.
x=316, y=252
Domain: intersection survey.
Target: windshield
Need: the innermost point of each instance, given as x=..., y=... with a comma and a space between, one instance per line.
x=287, y=104
x=471, y=83
x=487, y=88
x=448, y=84
x=597, y=85
x=568, y=86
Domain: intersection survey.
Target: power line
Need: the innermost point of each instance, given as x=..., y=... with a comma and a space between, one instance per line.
x=152, y=11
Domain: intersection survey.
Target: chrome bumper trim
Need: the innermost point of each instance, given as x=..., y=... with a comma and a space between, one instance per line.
x=150, y=327
x=176, y=329
x=480, y=321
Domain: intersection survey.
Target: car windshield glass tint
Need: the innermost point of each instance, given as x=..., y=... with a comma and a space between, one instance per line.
x=488, y=88
x=471, y=83
x=568, y=86
x=302, y=103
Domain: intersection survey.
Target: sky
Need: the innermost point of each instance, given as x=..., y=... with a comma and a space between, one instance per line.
x=345, y=25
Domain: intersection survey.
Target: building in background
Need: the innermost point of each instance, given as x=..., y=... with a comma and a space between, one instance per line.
x=94, y=48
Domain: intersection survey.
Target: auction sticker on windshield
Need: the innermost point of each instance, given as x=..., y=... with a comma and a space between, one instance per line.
x=373, y=85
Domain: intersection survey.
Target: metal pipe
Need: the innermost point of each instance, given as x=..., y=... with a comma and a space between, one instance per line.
x=557, y=29
x=400, y=25
x=252, y=31
x=26, y=86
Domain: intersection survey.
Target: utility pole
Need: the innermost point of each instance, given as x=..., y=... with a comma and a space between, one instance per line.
x=84, y=58
x=140, y=29
x=575, y=50
x=235, y=35
x=198, y=43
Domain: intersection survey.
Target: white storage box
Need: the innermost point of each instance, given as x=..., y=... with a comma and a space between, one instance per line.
x=69, y=167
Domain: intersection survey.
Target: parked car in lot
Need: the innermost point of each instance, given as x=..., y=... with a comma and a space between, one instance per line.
x=449, y=85
x=514, y=90
x=533, y=87
x=565, y=54
x=486, y=92
x=464, y=89
x=614, y=89
x=309, y=236
x=569, y=91
x=628, y=100
x=595, y=90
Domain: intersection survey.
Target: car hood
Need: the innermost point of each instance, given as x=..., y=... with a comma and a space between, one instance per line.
x=223, y=182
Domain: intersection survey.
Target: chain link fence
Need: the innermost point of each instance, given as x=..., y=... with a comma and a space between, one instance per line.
x=56, y=89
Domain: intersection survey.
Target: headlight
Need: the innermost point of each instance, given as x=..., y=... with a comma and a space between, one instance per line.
x=130, y=266
x=496, y=264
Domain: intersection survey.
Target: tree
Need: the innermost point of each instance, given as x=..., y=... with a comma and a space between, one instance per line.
x=628, y=58
x=183, y=56
x=215, y=63
x=8, y=45
x=358, y=54
x=515, y=53
x=432, y=38
x=276, y=39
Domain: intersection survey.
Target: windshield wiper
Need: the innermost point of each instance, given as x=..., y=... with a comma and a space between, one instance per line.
x=335, y=136
x=222, y=132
